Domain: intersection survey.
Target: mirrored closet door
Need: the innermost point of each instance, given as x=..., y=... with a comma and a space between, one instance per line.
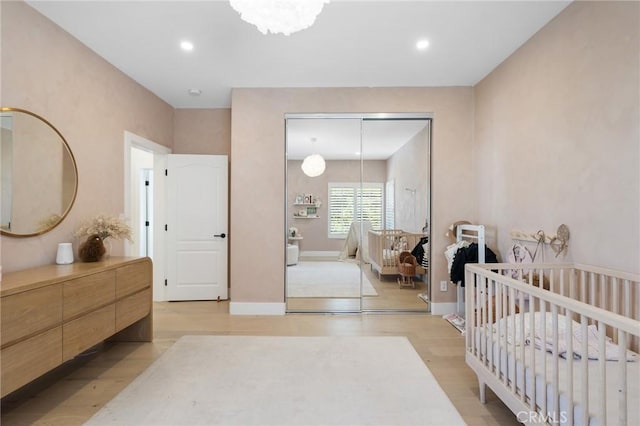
x=357, y=202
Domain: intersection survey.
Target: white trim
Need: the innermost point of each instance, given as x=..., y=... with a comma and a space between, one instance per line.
x=311, y=253
x=160, y=152
x=364, y=116
x=133, y=140
x=443, y=308
x=252, y=308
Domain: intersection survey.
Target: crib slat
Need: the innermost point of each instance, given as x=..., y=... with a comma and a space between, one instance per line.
x=556, y=361
x=622, y=378
x=616, y=297
x=532, y=355
x=512, y=332
x=505, y=349
x=513, y=311
x=470, y=334
x=584, y=371
x=569, y=326
x=476, y=319
x=592, y=289
x=603, y=292
x=627, y=298
x=523, y=385
x=602, y=366
x=543, y=332
x=493, y=324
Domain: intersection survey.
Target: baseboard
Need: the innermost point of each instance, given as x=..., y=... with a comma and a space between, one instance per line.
x=253, y=308
x=443, y=308
x=311, y=253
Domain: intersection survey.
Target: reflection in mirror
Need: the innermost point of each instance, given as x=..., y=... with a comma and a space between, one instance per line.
x=38, y=174
x=399, y=250
x=320, y=211
x=376, y=182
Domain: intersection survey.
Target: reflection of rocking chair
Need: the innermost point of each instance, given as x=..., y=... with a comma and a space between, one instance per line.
x=407, y=269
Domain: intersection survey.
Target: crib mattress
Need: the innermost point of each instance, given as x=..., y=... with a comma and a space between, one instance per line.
x=513, y=367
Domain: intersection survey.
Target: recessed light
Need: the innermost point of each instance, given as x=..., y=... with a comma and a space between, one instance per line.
x=186, y=45
x=422, y=44
x=357, y=153
x=195, y=92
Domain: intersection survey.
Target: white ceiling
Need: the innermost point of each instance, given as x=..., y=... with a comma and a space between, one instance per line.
x=352, y=44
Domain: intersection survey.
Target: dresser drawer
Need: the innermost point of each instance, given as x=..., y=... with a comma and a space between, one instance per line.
x=90, y=329
x=29, y=359
x=132, y=308
x=133, y=278
x=25, y=314
x=88, y=293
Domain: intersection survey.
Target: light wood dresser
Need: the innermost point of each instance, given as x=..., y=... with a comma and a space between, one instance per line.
x=51, y=313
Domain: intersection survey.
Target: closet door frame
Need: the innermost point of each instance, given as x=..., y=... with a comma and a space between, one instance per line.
x=362, y=117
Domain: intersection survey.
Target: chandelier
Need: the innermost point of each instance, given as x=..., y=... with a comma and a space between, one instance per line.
x=279, y=16
x=313, y=165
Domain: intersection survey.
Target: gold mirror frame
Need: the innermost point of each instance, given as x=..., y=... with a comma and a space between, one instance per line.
x=75, y=170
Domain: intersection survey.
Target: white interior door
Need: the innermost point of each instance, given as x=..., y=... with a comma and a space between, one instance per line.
x=197, y=200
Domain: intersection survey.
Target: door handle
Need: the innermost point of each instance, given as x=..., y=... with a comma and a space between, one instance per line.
x=223, y=235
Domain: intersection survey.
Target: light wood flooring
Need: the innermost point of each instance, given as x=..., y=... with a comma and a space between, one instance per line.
x=390, y=297
x=74, y=392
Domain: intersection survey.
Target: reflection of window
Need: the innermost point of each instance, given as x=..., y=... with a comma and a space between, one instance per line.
x=390, y=206
x=349, y=201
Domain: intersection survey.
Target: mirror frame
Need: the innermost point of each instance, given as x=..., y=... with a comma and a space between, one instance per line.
x=75, y=169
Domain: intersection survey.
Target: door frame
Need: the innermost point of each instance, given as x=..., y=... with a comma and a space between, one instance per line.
x=131, y=140
x=362, y=117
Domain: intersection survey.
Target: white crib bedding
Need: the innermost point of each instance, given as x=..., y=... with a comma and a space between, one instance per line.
x=390, y=254
x=515, y=363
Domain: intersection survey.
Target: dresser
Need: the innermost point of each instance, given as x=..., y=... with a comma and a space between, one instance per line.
x=52, y=313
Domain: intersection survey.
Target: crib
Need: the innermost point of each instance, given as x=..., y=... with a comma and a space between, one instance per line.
x=558, y=345
x=385, y=246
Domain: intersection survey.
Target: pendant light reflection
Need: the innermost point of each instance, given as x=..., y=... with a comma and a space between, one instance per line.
x=313, y=165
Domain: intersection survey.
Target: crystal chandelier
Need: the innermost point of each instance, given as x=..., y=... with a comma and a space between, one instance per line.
x=279, y=16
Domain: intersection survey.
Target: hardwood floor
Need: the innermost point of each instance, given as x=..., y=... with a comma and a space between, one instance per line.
x=72, y=393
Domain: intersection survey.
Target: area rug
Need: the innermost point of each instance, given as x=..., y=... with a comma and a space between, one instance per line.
x=327, y=279
x=247, y=380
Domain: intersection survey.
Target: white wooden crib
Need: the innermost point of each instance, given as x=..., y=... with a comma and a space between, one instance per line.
x=527, y=338
x=385, y=246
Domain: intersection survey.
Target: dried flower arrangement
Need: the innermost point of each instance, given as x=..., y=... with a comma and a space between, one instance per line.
x=105, y=226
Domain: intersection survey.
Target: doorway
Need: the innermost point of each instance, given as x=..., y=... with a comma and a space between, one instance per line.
x=144, y=204
x=347, y=224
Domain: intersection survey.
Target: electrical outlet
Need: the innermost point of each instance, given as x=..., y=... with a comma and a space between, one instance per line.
x=443, y=286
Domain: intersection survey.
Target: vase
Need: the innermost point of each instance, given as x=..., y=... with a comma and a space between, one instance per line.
x=64, y=255
x=107, y=248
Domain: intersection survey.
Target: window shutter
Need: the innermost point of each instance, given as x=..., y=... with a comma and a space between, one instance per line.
x=389, y=207
x=348, y=202
x=341, y=209
x=369, y=206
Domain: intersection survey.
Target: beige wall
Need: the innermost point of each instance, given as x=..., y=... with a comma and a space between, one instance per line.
x=409, y=169
x=315, y=231
x=557, y=135
x=258, y=171
x=202, y=131
x=90, y=102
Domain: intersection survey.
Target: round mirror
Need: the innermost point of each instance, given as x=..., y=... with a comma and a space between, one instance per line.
x=38, y=174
